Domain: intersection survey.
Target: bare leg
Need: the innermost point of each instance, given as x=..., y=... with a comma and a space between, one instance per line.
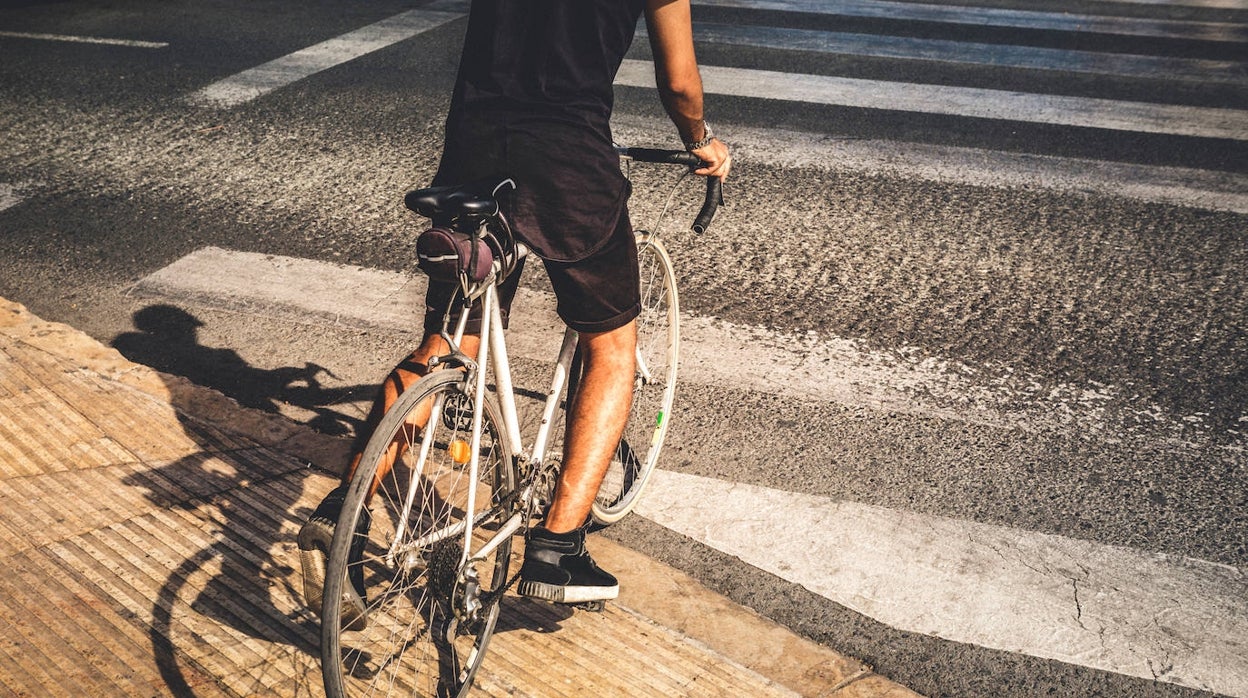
x=400, y=379
x=595, y=424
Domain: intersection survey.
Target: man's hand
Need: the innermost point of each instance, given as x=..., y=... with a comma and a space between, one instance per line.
x=717, y=158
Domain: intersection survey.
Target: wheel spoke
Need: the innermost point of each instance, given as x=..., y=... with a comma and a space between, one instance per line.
x=413, y=593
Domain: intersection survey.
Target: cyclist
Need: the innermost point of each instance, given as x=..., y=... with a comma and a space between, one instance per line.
x=533, y=101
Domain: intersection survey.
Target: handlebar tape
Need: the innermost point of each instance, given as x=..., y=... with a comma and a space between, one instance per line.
x=714, y=185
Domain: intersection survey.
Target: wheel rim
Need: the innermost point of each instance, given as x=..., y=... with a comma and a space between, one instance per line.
x=654, y=386
x=406, y=648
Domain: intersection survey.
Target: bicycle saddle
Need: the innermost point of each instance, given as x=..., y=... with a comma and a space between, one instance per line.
x=479, y=198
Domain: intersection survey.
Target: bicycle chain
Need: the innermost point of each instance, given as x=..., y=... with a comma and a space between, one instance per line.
x=532, y=480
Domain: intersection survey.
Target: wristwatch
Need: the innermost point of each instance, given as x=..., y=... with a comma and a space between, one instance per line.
x=706, y=139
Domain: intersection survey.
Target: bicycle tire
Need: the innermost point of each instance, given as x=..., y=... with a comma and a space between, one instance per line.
x=413, y=644
x=654, y=386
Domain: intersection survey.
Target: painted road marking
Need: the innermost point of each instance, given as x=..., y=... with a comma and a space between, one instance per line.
x=1224, y=191
x=1175, y=619
x=1061, y=110
x=263, y=79
x=801, y=366
x=1148, y=615
x=960, y=101
x=1000, y=17
x=11, y=195
x=1216, y=4
x=84, y=39
x=1000, y=55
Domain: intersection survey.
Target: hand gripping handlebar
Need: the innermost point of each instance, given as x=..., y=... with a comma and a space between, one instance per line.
x=714, y=185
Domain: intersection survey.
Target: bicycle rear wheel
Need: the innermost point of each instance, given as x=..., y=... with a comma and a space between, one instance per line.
x=654, y=385
x=419, y=636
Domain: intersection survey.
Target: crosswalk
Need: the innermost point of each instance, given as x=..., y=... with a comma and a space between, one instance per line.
x=1071, y=32
x=1046, y=596
x=999, y=17
x=1060, y=110
x=1210, y=54
x=1076, y=601
x=784, y=148
x=37, y=36
x=10, y=195
x=844, y=371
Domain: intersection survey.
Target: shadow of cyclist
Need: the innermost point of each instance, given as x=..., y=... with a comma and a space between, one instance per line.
x=233, y=506
x=241, y=582
x=167, y=340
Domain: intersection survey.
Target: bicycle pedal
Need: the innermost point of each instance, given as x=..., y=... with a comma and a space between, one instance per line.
x=592, y=606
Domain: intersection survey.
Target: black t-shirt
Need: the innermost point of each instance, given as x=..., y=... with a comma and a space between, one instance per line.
x=533, y=102
x=550, y=57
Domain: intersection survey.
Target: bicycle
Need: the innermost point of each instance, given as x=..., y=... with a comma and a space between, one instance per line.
x=437, y=556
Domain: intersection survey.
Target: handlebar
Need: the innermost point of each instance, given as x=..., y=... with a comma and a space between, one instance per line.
x=714, y=185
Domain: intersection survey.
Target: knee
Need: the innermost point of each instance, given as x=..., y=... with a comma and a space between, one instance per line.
x=402, y=377
x=615, y=349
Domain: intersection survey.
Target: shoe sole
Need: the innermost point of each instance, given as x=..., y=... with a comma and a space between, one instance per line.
x=314, y=538
x=555, y=593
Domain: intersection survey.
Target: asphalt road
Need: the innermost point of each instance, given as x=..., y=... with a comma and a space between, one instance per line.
x=931, y=254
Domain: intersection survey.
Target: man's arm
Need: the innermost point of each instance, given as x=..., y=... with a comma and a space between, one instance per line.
x=670, y=26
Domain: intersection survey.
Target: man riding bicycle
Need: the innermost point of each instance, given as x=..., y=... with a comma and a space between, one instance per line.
x=533, y=102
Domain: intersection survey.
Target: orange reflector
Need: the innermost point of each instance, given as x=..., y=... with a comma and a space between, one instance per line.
x=460, y=453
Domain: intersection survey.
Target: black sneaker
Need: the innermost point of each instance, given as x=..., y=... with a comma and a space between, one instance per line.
x=558, y=569
x=315, y=538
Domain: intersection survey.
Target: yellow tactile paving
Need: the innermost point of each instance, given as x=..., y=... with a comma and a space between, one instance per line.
x=149, y=553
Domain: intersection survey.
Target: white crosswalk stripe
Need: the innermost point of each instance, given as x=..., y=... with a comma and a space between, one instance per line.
x=1077, y=601
x=1219, y=4
x=971, y=53
x=1226, y=191
x=263, y=79
x=83, y=39
x=1089, y=112
x=10, y=195
x=999, y=17
x=840, y=371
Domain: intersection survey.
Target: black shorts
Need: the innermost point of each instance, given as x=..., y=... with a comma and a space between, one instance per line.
x=570, y=192
x=597, y=294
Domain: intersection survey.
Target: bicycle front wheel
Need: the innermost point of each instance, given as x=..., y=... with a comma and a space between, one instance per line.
x=654, y=385
x=426, y=617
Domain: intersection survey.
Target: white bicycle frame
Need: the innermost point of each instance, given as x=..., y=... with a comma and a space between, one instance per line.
x=493, y=352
